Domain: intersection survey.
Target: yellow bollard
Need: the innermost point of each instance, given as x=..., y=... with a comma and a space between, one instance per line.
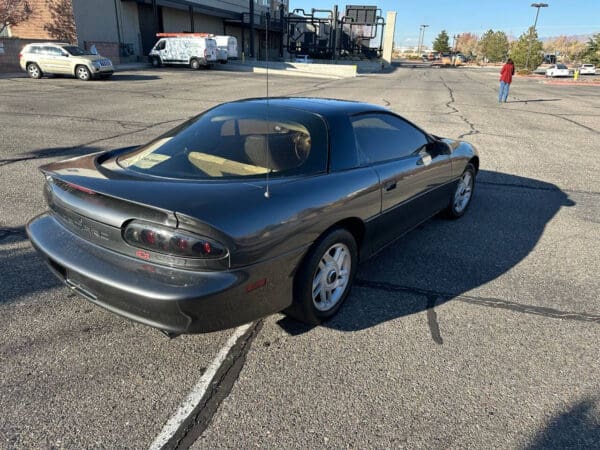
x=576, y=74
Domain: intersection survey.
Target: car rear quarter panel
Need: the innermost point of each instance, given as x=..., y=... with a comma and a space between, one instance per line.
x=297, y=212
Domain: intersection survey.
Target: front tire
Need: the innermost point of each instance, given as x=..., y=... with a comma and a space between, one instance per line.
x=155, y=61
x=83, y=73
x=195, y=64
x=325, y=277
x=34, y=71
x=463, y=193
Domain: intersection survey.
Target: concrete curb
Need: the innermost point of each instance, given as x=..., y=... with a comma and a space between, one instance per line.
x=572, y=83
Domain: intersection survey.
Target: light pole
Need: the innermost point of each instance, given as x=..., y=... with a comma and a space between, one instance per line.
x=421, y=37
x=538, y=6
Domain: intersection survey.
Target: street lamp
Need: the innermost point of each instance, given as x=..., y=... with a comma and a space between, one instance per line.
x=421, y=37
x=538, y=6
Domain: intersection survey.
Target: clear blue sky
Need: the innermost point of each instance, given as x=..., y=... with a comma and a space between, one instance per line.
x=570, y=17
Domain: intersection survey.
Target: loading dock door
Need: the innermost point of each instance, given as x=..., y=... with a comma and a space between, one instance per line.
x=148, y=28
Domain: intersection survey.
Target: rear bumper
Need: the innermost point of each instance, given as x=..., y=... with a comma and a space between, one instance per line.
x=174, y=300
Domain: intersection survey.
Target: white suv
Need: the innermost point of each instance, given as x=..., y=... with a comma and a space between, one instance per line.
x=587, y=69
x=65, y=59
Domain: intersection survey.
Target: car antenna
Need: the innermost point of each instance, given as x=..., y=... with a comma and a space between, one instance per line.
x=267, y=150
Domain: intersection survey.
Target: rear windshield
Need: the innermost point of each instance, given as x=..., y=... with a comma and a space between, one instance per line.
x=236, y=140
x=561, y=66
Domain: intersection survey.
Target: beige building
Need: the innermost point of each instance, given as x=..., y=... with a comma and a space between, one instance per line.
x=125, y=30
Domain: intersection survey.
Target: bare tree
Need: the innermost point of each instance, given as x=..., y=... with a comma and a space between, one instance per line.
x=569, y=48
x=62, y=26
x=13, y=12
x=467, y=43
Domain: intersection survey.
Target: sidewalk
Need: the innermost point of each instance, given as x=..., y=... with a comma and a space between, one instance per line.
x=314, y=70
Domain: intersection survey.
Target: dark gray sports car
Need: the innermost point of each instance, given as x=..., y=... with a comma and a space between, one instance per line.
x=250, y=208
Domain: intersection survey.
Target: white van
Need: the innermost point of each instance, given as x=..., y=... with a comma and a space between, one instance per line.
x=227, y=48
x=192, y=49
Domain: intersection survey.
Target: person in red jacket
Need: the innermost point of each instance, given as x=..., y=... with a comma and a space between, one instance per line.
x=506, y=74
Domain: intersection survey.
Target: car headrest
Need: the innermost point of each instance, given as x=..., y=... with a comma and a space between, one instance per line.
x=255, y=147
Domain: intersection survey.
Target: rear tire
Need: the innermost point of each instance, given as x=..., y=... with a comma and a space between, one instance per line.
x=194, y=64
x=463, y=193
x=83, y=73
x=34, y=71
x=324, y=278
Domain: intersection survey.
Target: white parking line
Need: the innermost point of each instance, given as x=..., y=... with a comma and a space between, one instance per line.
x=198, y=392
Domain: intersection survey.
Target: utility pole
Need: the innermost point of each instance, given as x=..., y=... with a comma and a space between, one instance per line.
x=421, y=37
x=538, y=6
x=251, y=7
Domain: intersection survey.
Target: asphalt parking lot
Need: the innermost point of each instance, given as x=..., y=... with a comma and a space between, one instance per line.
x=481, y=332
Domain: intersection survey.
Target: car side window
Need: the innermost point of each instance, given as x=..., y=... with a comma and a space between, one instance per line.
x=383, y=137
x=52, y=51
x=161, y=45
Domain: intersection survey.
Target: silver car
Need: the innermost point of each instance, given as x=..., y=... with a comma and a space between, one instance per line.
x=44, y=58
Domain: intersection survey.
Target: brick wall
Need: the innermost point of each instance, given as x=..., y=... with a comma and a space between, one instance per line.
x=33, y=28
x=9, y=61
x=108, y=49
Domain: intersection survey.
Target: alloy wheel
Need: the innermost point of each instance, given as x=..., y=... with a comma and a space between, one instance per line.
x=332, y=276
x=462, y=195
x=83, y=73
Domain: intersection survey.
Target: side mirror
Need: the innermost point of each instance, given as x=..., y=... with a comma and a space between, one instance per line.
x=436, y=148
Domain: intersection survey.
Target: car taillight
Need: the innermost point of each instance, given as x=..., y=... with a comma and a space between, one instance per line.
x=171, y=241
x=20, y=55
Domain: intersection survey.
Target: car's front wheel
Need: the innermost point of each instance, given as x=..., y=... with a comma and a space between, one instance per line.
x=83, y=73
x=34, y=71
x=324, y=280
x=155, y=61
x=463, y=193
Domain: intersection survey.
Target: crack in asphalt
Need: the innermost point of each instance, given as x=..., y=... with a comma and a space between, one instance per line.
x=51, y=152
x=122, y=123
x=223, y=383
x=481, y=301
x=557, y=116
x=315, y=87
x=432, y=320
x=456, y=111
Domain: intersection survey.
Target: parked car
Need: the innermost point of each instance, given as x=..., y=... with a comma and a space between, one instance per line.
x=252, y=207
x=587, y=69
x=46, y=58
x=195, y=50
x=227, y=46
x=557, y=70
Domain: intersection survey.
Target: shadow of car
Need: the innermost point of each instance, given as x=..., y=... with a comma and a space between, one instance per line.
x=442, y=260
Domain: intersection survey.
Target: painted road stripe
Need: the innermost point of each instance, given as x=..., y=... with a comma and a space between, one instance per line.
x=198, y=392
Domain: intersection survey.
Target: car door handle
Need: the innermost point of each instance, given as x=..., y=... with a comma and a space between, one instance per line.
x=391, y=185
